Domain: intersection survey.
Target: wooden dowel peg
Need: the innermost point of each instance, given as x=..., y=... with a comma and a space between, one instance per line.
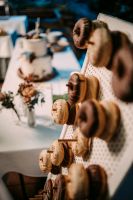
x=67, y=140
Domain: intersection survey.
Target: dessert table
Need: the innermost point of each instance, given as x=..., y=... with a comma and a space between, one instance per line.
x=20, y=145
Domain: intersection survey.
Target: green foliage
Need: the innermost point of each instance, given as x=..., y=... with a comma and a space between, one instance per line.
x=64, y=96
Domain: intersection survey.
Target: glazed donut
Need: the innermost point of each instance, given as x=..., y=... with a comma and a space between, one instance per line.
x=60, y=111
x=98, y=182
x=44, y=161
x=113, y=117
x=63, y=113
x=122, y=79
x=81, y=33
x=99, y=119
x=119, y=39
x=46, y=165
x=77, y=182
x=81, y=87
x=57, y=155
x=91, y=118
x=59, y=189
x=68, y=155
x=100, y=47
x=82, y=146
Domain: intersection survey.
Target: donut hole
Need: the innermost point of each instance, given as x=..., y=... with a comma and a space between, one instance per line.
x=120, y=70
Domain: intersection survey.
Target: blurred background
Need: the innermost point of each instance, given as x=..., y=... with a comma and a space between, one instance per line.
x=62, y=14
x=56, y=15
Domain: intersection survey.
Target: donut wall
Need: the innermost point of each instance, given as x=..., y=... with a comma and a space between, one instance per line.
x=116, y=156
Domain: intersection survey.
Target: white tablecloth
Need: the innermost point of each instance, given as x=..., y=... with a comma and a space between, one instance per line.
x=18, y=23
x=6, y=46
x=20, y=145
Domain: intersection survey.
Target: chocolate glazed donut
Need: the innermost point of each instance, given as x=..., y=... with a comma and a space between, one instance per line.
x=81, y=32
x=98, y=182
x=122, y=80
x=59, y=188
x=88, y=118
x=72, y=114
x=73, y=89
x=118, y=40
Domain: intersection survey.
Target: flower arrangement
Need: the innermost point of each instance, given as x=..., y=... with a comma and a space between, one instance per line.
x=6, y=100
x=30, y=94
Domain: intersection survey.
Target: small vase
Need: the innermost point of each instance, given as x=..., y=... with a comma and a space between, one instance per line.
x=31, y=117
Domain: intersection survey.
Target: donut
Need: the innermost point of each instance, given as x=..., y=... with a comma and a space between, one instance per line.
x=59, y=189
x=81, y=32
x=82, y=146
x=68, y=155
x=64, y=113
x=98, y=182
x=99, y=48
x=99, y=24
x=45, y=162
x=60, y=111
x=77, y=182
x=81, y=87
x=48, y=190
x=93, y=88
x=83, y=29
x=46, y=165
x=113, y=117
x=73, y=110
x=122, y=79
x=119, y=39
x=99, y=119
x=57, y=155
x=91, y=118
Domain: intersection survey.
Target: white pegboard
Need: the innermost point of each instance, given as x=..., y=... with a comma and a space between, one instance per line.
x=116, y=157
x=109, y=155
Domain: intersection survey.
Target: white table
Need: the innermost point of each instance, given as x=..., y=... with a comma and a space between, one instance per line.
x=20, y=145
x=17, y=23
x=12, y=25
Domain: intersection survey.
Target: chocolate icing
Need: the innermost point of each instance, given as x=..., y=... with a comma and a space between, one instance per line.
x=118, y=38
x=122, y=80
x=97, y=187
x=81, y=32
x=68, y=157
x=88, y=118
x=60, y=188
x=73, y=89
x=72, y=114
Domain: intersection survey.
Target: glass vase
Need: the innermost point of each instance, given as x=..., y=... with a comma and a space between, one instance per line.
x=31, y=117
